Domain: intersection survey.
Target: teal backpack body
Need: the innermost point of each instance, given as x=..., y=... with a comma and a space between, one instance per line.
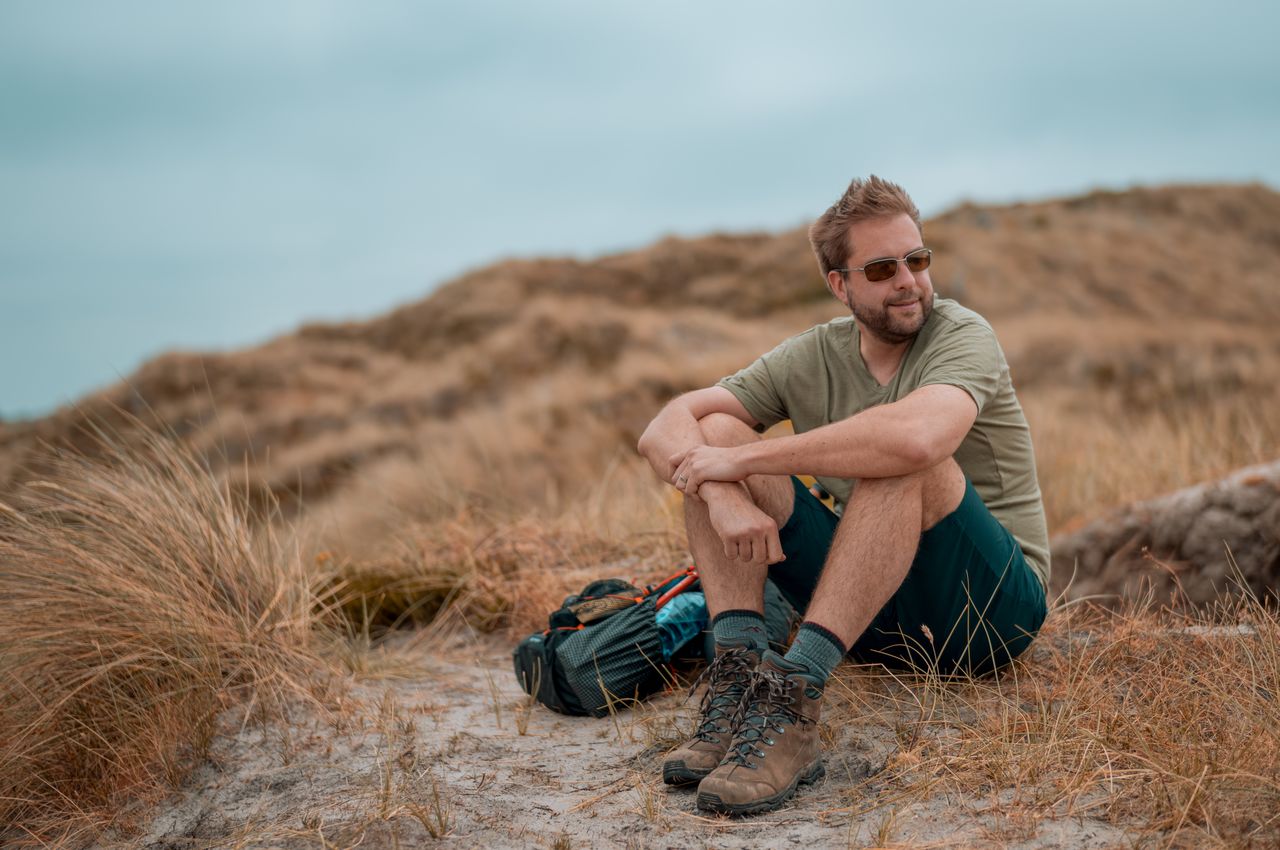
x=603, y=647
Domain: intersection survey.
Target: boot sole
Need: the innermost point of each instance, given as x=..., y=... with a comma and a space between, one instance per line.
x=677, y=773
x=712, y=802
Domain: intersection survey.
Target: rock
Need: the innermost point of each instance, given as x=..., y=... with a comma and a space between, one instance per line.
x=1189, y=538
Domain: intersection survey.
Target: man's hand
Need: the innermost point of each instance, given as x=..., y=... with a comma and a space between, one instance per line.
x=748, y=533
x=706, y=463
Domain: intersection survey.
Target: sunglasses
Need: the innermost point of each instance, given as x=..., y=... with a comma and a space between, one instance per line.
x=878, y=270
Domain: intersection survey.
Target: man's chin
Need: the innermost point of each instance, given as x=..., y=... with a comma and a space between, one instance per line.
x=894, y=330
x=893, y=334
x=907, y=330
x=908, y=327
x=901, y=330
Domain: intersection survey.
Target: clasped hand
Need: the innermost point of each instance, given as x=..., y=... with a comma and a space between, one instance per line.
x=700, y=464
x=748, y=533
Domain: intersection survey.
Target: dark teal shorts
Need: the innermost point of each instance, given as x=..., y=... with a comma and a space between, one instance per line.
x=970, y=602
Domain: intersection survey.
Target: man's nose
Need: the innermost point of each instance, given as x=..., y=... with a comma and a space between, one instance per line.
x=902, y=277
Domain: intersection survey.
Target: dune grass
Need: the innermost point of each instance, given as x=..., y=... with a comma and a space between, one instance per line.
x=1163, y=722
x=1091, y=461
x=144, y=594
x=489, y=568
x=137, y=603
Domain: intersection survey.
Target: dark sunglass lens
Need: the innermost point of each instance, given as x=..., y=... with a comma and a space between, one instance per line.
x=918, y=261
x=880, y=270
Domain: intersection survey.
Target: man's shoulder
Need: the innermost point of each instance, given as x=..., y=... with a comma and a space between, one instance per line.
x=950, y=317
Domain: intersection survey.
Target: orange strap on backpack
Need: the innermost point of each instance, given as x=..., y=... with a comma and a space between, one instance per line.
x=690, y=576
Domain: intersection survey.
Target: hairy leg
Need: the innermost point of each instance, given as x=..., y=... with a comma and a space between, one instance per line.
x=731, y=584
x=876, y=542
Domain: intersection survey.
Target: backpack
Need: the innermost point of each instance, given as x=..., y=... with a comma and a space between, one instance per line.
x=602, y=645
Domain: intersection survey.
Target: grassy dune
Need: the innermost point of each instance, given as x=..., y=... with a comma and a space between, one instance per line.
x=142, y=607
x=463, y=463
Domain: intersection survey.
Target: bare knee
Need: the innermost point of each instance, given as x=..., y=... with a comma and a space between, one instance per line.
x=939, y=489
x=721, y=430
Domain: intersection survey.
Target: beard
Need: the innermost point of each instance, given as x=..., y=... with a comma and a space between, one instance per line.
x=887, y=328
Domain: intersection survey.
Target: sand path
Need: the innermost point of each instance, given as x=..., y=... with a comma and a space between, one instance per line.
x=454, y=756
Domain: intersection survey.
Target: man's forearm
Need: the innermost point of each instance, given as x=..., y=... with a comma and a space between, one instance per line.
x=907, y=436
x=873, y=444
x=887, y=441
x=830, y=455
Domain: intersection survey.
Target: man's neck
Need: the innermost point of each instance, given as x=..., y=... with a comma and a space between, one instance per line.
x=881, y=358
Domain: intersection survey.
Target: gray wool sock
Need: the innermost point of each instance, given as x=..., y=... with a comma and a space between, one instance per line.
x=818, y=650
x=741, y=627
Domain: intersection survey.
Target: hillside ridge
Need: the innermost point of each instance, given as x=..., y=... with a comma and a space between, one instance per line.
x=1138, y=299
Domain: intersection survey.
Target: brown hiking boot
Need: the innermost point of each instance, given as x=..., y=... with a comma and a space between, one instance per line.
x=727, y=678
x=775, y=748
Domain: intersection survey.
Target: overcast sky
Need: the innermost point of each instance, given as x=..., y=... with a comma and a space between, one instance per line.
x=174, y=176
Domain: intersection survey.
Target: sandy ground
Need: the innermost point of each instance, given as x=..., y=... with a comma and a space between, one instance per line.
x=450, y=752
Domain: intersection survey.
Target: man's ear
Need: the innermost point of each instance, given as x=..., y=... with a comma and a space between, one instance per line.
x=836, y=284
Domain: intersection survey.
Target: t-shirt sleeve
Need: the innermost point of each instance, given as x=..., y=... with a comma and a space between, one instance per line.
x=968, y=357
x=756, y=387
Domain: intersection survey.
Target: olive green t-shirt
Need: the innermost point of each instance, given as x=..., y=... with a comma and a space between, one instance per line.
x=819, y=377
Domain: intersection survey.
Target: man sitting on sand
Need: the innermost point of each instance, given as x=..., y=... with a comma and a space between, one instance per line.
x=937, y=556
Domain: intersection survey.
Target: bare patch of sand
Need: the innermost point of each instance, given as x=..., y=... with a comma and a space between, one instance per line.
x=453, y=753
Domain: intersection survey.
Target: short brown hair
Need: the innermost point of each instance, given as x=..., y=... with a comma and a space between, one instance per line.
x=864, y=199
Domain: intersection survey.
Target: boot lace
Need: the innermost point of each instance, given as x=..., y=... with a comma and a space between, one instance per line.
x=767, y=707
x=727, y=678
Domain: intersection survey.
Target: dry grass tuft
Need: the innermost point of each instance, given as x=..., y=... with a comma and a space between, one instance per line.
x=496, y=565
x=1161, y=722
x=137, y=604
x=1091, y=461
